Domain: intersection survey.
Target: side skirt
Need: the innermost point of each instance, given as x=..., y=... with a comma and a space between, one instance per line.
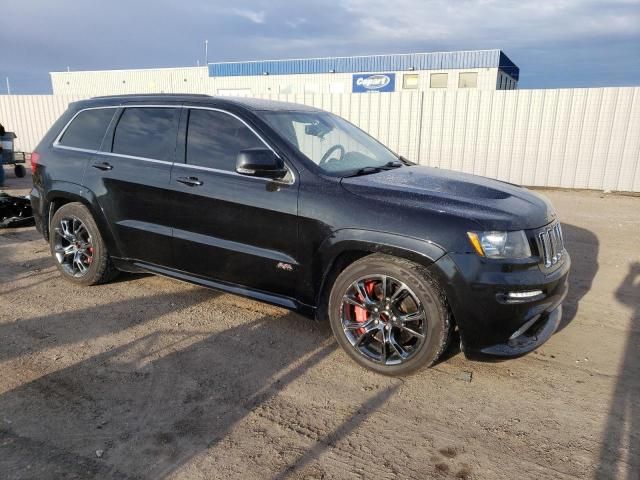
x=289, y=303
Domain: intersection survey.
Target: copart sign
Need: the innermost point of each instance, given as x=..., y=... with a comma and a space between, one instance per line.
x=374, y=82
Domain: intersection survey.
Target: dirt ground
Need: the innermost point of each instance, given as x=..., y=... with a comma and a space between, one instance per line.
x=152, y=378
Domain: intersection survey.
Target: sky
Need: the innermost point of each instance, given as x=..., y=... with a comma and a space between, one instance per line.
x=562, y=43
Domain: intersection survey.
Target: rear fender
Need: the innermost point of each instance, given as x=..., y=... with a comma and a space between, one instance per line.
x=64, y=192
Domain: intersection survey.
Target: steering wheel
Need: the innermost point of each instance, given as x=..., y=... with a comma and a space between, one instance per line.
x=325, y=158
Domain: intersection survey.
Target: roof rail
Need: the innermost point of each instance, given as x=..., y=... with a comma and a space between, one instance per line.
x=134, y=95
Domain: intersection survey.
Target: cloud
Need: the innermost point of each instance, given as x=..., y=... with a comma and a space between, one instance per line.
x=504, y=22
x=559, y=43
x=251, y=15
x=296, y=22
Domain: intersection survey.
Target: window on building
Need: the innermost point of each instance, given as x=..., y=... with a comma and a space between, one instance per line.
x=410, y=80
x=214, y=139
x=439, y=80
x=468, y=80
x=147, y=132
x=87, y=129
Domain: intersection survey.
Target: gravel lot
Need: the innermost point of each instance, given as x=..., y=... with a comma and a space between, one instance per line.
x=152, y=378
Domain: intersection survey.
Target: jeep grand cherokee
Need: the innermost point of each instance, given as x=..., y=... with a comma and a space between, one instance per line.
x=297, y=207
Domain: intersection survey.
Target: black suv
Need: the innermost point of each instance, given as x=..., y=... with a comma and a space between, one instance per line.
x=297, y=207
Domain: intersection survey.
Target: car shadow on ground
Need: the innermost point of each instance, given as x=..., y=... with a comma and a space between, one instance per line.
x=620, y=450
x=154, y=402
x=31, y=335
x=583, y=247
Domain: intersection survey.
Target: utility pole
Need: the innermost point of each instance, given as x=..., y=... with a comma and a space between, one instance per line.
x=206, y=52
x=8, y=87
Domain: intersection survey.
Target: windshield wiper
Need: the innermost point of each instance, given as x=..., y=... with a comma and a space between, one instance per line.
x=365, y=171
x=368, y=170
x=406, y=161
x=393, y=164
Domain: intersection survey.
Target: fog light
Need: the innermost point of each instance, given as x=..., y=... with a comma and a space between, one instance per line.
x=527, y=294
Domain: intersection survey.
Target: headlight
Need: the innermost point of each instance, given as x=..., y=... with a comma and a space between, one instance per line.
x=500, y=244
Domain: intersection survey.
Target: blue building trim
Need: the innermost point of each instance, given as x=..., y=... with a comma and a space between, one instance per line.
x=371, y=63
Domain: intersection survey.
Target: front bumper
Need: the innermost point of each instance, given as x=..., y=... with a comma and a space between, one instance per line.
x=491, y=325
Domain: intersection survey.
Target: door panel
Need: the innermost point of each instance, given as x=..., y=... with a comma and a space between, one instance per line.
x=231, y=227
x=132, y=188
x=133, y=194
x=237, y=230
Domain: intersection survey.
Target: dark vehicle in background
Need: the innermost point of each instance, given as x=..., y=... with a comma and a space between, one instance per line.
x=297, y=207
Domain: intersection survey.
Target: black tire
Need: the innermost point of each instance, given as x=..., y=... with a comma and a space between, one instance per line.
x=101, y=268
x=20, y=171
x=436, y=328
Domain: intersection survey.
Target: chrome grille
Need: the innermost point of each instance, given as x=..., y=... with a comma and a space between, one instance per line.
x=551, y=244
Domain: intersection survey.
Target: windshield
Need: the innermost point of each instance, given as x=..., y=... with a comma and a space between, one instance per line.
x=329, y=141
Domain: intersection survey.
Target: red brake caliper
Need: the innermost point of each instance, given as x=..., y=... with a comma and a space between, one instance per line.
x=90, y=259
x=361, y=314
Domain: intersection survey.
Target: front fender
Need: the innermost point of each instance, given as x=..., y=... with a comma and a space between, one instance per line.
x=346, y=240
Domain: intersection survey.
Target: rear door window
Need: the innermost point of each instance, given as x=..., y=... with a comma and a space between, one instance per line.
x=214, y=139
x=87, y=129
x=147, y=132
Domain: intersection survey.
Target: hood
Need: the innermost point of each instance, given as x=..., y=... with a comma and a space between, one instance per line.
x=495, y=205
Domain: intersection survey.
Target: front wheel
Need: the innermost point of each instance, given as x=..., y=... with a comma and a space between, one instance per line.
x=389, y=315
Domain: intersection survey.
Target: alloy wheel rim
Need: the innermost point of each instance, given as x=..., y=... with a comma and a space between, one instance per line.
x=383, y=319
x=73, y=246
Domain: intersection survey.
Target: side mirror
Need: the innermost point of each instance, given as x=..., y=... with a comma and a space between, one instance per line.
x=260, y=162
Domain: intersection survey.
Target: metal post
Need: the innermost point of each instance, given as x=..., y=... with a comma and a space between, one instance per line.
x=206, y=52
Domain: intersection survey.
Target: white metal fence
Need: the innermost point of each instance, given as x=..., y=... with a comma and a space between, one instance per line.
x=571, y=138
x=30, y=116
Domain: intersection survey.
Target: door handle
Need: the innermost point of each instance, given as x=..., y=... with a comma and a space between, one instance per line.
x=103, y=166
x=190, y=181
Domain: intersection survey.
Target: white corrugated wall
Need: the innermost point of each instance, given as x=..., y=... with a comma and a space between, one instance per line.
x=115, y=82
x=197, y=80
x=571, y=138
x=30, y=116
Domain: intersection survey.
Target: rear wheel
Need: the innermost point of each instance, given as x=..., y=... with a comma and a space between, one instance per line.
x=389, y=315
x=77, y=246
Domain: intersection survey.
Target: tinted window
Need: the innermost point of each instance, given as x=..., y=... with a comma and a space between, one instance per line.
x=215, y=138
x=88, y=129
x=147, y=132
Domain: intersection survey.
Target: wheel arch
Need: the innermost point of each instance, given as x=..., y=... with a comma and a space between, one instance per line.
x=70, y=193
x=346, y=246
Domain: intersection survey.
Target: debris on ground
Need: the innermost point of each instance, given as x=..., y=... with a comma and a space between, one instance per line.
x=465, y=376
x=99, y=453
x=15, y=211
